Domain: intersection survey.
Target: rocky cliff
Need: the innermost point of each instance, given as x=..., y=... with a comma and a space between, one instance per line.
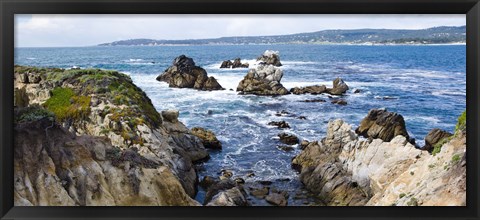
x=345, y=169
x=104, y=109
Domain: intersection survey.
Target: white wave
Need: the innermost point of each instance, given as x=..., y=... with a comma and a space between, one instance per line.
x=31, y=58
x=135, y=60
x=448, y=93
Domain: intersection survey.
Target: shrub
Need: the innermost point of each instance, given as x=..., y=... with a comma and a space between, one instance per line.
x=33, y=113
x=456, y=158
x=67, y=106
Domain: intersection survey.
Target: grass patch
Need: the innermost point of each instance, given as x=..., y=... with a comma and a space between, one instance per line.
x=462, y=122
x=67, y=106
x=413, y=202
x=402, y=195
x=438, y=146
x=456, y=158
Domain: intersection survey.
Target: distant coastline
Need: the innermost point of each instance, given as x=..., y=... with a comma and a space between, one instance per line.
x=444, y=35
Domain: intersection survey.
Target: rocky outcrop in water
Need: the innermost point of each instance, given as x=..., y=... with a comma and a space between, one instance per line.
x=346, y=170
x=264, y=80
x=104, y=104
x=379, y=123
x=185, y=74
x=208, y=138
x=339, y=88
x=237, y=63
x=270, y=57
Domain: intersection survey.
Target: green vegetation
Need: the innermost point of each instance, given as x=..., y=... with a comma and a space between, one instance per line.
x=33, y=113
x=402, y=195
x=456, y=158
x=462, y=122
x=438, y=146
x=413, y=202
x=67, y=106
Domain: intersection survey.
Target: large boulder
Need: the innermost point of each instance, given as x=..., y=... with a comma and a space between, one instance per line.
x=237, y=63
x=270, y=57
x=433, y=137
x=208, y=138
x=185, y=74
x=382, y=124
x=339, y=87
x=265, y=80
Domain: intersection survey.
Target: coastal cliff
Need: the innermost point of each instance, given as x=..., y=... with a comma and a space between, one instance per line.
x=345, y=169
x=98, y=140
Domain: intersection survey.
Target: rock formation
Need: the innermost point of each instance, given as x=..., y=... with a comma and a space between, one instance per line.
x=382, y=124
x=185, y=74
x=339, y=88
x=346, y=170
x=108, y=106
x=208, y=138
x=264, y=80
x=237, y=63
x=433, y=137
x=270, y=57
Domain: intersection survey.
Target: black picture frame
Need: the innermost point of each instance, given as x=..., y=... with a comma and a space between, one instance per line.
x=8, y=8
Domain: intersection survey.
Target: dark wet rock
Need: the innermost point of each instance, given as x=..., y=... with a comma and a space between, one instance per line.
x=265, y=80
x=276, y=199
x=385, y=97
x=289, y=139
x=357, y=91
x=270, y=57
x=279, y=124
x=282, y=113
x=302, y=117
x=285, y=148
x=209, y=140
x=382, y=124
x=239, y=180
x=339, y=87
x=259, y=192
x=339, y=102
x=314, y=100
x=314, y=90
x=208, y=181
x=265, y=182
x=433, y=137
x=185, y=74
x=237, y=63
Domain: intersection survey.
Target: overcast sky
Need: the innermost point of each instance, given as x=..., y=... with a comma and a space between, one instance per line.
x=88, y=30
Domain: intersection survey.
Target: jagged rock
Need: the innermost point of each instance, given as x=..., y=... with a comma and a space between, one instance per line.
x=208, y=181
x=433, y=137
x=185, y=74
x=289, y=139
x=208, y=138
x=270, y=57
x=50, y=170
x=276, y=199
x=259, y=192
x=382, y=124
x=339, y=87
x=230, y=197
x=279, y=124
x=339, y=102
x=314, y=90
x=265, y=80
x=356, y=91
x=171, y=115
x=226, y=64
x=125, y=116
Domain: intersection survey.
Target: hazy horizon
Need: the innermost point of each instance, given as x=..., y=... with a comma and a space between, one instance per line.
x=91, y=30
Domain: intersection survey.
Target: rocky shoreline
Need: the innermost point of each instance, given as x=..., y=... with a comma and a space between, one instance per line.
x=98, y=140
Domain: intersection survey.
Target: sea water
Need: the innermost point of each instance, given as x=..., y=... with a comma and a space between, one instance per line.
x=425, y=84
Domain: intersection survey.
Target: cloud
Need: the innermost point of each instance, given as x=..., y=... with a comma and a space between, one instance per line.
x=86, y=30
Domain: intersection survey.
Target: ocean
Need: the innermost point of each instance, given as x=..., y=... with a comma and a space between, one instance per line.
x=425, y=84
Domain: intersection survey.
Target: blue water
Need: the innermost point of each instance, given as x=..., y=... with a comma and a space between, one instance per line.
x=427, y=84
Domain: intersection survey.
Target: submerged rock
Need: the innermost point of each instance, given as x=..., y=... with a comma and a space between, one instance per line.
x=433, y=137
x=339, y=102
x=270, y=57
x=314, y=90
x=279, y=124
x=276, y=199
x=382, y=124
x=208, y=138
x=185, y=74
x=314, y=100
x=289, y=139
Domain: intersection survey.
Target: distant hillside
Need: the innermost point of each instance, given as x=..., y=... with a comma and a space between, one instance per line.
x=435, y=35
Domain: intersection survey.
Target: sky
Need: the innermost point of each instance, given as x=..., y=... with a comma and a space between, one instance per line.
x=88, y=30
